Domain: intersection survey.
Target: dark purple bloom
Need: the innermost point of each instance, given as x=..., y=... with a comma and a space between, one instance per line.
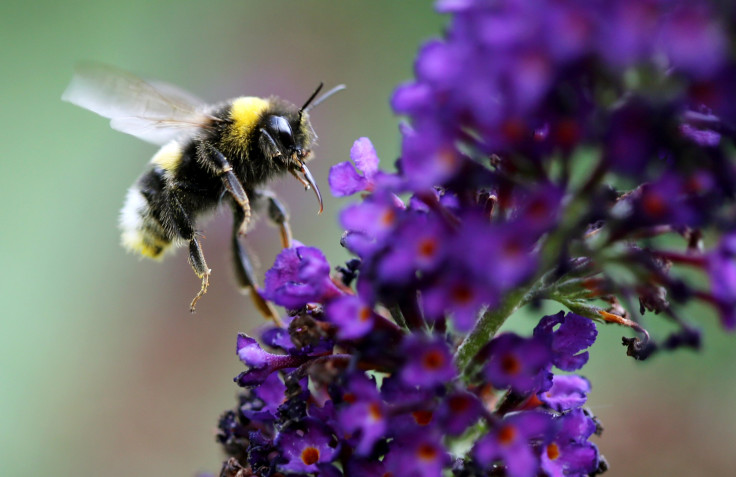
x=397, y=393
x=300, y=275
x=418, y=246
x=629, y=26
x=372, y=220
x=500, y=263
x=304, y=449
x=519, y=363
x=353, y=317
x=429, y=158
x=702, y=137
x=509, y=443
x=694, y=40
x=279, y=338
x=573, y=335
x=632, y=137
x=364, y=468
x=428, y=362
x=363, y=412
x=260, y=363
x=721, y=265
x=344, y=180
x=567, y=392
x=417, y=455
x=664, y=202
x=458, y=411
x=569, y=452
x=251, y=353
x=544, y=142
x=460, y=295
x=539, y=210
x=270, y=395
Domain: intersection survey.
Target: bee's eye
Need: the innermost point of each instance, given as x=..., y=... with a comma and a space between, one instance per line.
x=280, y=130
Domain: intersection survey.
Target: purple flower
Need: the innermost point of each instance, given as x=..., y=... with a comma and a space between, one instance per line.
x=364, y=412
x=458, y=411
x=260, y=363
x=270, y=395
x=299, y=276
x=665, y=201
x=544, y=143
x=569, y=452
x=519, y=363
x=428, y=362
x=458, y=294
x=344, y=180
x=304, y=449
x=418, y=246
x=632, y=142
x=721, y=266
x=417, y=455
x=509, y=443
x=694, y=40
x=566, y=341
x=499, y=257
x=567, y=392
x=363, y=468
x=372, y=221
x=353, y=318
x=429, y=158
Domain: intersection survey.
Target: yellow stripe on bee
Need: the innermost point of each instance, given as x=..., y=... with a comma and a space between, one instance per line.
x=137, y=242
x=168, y=157
x=245, y=112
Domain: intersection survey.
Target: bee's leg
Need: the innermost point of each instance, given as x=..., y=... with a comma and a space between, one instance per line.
x=222, y=168
x=278, y=215
x=196, y=259
x=185, y=228
x=244, y=270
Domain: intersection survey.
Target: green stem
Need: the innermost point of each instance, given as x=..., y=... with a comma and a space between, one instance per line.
x=486, y=328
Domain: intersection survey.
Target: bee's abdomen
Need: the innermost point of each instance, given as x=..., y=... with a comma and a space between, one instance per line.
x=141, y=232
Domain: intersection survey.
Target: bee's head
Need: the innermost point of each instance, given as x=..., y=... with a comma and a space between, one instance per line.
x=288, y=152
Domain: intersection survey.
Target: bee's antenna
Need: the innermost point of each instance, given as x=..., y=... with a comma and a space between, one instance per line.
x=311, y=98
x=334, y=90
x=310, y=105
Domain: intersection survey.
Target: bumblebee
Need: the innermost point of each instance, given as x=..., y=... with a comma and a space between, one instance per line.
x=228, y=153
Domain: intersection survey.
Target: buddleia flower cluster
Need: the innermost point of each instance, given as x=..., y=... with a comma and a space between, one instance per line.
x=569, y=152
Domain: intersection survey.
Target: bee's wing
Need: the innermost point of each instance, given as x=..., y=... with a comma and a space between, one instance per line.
x=153, y=111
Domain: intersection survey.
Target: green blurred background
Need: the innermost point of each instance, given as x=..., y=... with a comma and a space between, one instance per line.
x=103, y=371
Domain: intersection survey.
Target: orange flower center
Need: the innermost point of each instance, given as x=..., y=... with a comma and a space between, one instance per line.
x=364, y=314
x=310, y=455
x=427, y=452
x=462, y=294
x=510, y=364
x=654, y=205
x=433, y=360
x=427, y=247
x=422, y=417
x=388, y=217
x=375, y=411
x=553, y=452
x=506, y=435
